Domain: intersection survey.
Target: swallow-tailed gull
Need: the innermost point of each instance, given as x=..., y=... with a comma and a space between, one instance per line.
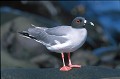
x=61, y=39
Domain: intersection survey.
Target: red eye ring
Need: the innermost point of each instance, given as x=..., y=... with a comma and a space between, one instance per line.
x=77, y=21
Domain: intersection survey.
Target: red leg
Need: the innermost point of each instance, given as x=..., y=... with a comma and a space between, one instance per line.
x=64, y=68
x=70, y=64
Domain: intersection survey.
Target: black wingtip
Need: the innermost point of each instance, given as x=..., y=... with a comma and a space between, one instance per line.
x=24, y=33
x=20, y=32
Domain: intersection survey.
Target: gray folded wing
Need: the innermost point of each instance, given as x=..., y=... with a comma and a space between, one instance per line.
x=59, y=30
x=47, y=35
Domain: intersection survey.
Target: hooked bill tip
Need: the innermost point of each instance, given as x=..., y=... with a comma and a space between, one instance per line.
x=91, y=23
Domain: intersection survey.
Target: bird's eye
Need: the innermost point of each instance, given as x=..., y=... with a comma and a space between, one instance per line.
x=77, y=21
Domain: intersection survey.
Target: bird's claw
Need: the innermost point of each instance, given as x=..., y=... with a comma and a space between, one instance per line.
x=65, y=68
x=74, y=66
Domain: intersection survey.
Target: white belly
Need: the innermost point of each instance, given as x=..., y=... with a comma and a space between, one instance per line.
x=77, y=38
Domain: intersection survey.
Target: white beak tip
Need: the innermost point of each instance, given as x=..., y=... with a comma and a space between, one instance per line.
x=91, y=23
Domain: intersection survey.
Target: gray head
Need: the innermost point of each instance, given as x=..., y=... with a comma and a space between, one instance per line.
x=79, y=22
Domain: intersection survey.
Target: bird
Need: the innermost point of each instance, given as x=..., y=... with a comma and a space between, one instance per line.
x=61, y=39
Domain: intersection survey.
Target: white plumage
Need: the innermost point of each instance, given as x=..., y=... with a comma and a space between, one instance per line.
x=61, y=39
x=76, y=38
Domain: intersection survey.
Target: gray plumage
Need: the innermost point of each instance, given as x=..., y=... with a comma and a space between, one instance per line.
x=59, y=30
x=61, y=38
x=48, y=35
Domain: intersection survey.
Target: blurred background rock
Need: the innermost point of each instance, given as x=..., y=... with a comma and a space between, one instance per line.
x=102, y=47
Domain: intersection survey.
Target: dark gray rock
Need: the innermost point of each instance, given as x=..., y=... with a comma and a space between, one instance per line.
x=86, y=72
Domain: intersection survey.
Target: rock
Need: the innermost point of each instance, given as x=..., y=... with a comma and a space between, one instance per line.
x=46, y=61
x=85, y=72
x=84, y=58
x=118, y=66
x=8, y=62
x=18, y=46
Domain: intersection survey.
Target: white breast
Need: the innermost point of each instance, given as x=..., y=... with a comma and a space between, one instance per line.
x=76, y=38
